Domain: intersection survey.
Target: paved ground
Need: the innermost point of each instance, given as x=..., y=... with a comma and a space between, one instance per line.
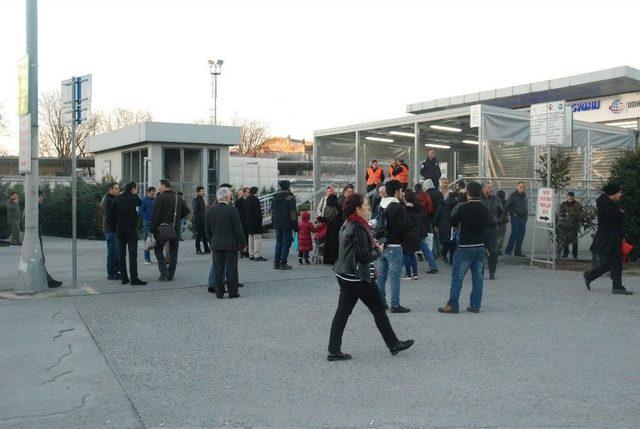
x=543, y=353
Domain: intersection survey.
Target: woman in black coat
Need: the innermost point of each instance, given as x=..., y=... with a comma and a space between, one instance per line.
x=413, y=234
x=355, y=272
x=332, y=216
x=607, y=242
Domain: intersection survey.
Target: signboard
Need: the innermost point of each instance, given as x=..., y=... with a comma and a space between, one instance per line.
x=474, y=116
x=78, y=95
x=23, y=86
x=24, y=149
x=545, y=210
x=613, y=108
x=551, y=124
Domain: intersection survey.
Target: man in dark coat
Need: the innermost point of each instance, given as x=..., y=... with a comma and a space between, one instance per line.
x=284, y=215
x=224, y=231
x=571, y=212
x=607, y=243
x=493, y=205
x=517, y=207
x=169, y=209
x=109, y=233
x=198, y=221
x=242, y=211
x=253, y=212
x=431, y=168
x=123, y=218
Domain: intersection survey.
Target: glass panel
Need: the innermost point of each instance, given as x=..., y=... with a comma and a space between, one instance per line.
x=212, y=174
x=135, y=167
x=171, y=164
x=126, y=167
x=192, y=173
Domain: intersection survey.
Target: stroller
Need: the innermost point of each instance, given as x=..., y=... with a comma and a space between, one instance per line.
x=318, y=244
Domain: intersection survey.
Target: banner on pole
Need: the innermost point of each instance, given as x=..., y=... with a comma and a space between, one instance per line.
x=24, y=150
x=23, y=86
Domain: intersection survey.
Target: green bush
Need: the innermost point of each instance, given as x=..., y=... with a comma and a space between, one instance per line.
x=626, y=173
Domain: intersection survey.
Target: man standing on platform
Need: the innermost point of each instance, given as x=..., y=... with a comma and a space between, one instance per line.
x=374, y=176
x=431, y=168
x=492, y=203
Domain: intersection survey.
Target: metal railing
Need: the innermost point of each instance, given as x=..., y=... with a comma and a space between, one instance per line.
x=303, y=197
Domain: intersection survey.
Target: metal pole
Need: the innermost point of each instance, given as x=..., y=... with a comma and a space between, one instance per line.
x=548, y=165
x=75, y=94
x=416, y=150
x=215, y=99
x=32, y=275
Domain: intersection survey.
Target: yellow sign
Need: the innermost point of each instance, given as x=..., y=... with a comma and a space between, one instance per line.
x=23, y=86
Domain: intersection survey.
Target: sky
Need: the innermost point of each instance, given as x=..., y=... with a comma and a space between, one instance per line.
x=303, y=65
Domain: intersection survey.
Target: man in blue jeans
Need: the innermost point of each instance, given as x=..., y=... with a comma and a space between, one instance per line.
x=472, y=217
x=390, y=262
x=518, y=210
x=284, y=215
x=110, y=233
x=145, y=211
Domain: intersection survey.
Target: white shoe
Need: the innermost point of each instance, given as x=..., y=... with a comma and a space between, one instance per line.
x=415, y=277
x=148, y=262
x=407, y=278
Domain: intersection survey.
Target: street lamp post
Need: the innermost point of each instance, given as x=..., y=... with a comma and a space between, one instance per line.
x=215, y=69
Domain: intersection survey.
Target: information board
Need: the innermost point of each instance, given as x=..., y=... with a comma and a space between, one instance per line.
x=545, y=206
x=551, y=124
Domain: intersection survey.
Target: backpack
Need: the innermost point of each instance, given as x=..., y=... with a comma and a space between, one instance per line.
x=379, y=229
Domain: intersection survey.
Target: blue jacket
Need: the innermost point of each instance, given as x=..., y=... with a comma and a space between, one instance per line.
x=146, y=208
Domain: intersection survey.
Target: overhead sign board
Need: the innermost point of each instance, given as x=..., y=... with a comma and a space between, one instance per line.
x=613, y=108
x=474, y=116
x=23, y=86
x=24, y=141
x=75, y=98
x=551, y=124
x=545, y=210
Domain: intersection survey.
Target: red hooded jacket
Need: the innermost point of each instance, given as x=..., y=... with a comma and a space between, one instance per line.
x=305, y=229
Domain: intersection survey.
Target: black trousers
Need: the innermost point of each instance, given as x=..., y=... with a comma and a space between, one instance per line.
x=491, y=244
x=128, y=240
x=613, y=264
x=201, y=237
x=173, y=255
x=225, y=261
x=574, y=249
x=350, y=292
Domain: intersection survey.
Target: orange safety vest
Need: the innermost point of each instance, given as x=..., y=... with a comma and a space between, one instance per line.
x=374, y=177
x=403, y=176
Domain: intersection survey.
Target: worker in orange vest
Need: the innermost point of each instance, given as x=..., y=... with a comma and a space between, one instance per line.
x=399, y=170
x=374, y=176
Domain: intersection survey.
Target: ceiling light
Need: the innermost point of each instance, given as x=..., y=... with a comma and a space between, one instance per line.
x=438, y=146
x=470, y=142
x=401, y=133
x=379, y=139
x=442, y=128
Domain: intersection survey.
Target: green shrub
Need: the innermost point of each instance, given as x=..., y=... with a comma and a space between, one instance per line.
x=625, y=171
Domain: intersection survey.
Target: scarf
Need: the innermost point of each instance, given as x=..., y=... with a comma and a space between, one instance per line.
x=358, y=219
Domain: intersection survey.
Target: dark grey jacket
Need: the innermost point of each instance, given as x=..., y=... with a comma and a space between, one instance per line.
x=223, y=227
x=356, y=252
x=105, y=208
x=431, y=170
x=517, y=204
x=494, y=206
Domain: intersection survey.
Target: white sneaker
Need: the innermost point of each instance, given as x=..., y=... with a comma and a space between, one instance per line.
x=415, y=277
x=148, y=262
x=407, y=278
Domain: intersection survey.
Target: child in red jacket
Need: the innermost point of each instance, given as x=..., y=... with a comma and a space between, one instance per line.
x=305, y=242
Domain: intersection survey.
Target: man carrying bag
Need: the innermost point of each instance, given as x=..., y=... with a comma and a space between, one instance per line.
x=165, y=221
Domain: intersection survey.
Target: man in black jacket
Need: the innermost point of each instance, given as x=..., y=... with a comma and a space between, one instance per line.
x=123, y=218
x=109, y=233
x=240, y=205
x=493, y=205
x=253, y=211
x=284, y=214
x=607, y=243
x=431, y=168
x=224, y=231
x=198, y=221
x=472, y=217
x=390, y=262
x=169, y=209
x=519, y=212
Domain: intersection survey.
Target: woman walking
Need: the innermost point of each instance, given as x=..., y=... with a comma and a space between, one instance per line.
x=356, y=275
x=415, y=232
x=332, y=216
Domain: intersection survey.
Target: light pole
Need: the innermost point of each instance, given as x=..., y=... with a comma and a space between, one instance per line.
x=32, y=275
x=215, y=69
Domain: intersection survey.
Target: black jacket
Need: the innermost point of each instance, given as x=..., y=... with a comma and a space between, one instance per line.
x=284, y=211
x=223, y=228
x=198, y=207
x=608, y=239
x=122, y=216
x=431, y=170
x=472, y=217
x=240, y=205
x=415, y=230
x=517, y=204
x=105, y=208
x=437, y=199
x=396, y=223
x=164, y=209
x=356, y=252
x=253, y=212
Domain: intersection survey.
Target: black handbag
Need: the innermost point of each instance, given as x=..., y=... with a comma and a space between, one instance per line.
x=167, y=231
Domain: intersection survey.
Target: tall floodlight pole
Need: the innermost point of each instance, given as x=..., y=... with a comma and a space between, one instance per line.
x=32, y=276
x=215, y=69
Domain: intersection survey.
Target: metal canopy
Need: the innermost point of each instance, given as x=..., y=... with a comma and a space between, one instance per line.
x=597, y=84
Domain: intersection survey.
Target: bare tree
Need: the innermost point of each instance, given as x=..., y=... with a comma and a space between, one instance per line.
x=253, y=135
x=120, y=118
